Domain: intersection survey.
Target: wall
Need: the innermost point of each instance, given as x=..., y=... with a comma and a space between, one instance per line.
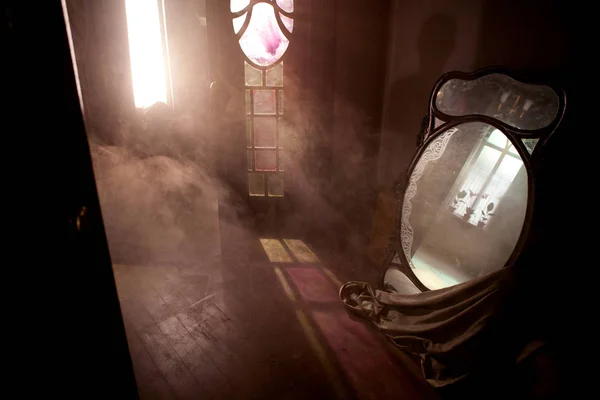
x=334, y=102
x=361, y=35
x=154, y=168
x=188, y=55
x=429, y=38
x=99, y=32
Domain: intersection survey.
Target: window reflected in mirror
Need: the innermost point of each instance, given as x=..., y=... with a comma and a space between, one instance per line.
x=485, y=179
x=464, y=206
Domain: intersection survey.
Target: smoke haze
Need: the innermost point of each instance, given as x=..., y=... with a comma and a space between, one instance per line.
x=161, y=193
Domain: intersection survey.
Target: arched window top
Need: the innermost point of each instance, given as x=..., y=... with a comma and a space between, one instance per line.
x=263, y=41
x=286, y=5
x=238, y=5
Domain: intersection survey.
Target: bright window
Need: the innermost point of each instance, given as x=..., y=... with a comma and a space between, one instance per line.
x=147, y=52
x=487, y=180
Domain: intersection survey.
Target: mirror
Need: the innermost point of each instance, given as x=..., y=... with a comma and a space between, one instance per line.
x=520, y=105
x=464, y=205
x=396, y=281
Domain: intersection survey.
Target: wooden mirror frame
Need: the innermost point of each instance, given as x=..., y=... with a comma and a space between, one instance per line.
x=429, y=132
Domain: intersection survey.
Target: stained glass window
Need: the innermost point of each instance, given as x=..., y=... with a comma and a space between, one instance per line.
x=263, y=41
x=263, y=30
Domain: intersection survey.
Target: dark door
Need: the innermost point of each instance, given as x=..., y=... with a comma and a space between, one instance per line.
x=73, y=340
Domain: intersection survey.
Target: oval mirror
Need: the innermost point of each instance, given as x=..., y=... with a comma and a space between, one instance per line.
x=464, y=205
x=520, y=105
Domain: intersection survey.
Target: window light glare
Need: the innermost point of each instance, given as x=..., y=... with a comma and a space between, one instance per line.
x=146, y=52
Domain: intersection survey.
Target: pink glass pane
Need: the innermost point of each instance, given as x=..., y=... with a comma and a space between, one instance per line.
x=265, y=130
x=239, y=5
x=238, y=22
x=265, y=160
x=263, y=42
x=286, y=5
x=264, y=101
x=287, y=22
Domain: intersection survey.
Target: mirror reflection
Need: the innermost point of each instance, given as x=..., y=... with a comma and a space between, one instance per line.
x=517, y=104
x=464, y=206
x=396, y=281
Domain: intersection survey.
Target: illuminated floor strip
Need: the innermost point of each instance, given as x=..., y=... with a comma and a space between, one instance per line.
x=312, y=338
x=284, y=283
x=332, y=277
x=321, y=355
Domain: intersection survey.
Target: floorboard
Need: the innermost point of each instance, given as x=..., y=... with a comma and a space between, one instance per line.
x=238, y=326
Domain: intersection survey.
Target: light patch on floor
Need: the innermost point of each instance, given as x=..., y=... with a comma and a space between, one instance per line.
x=359, y=354
x=332, y=277
x=344, y=348
x=275, y=251
x=317, y=347
x=284, y=284
x=312, y=285
x=301, y=251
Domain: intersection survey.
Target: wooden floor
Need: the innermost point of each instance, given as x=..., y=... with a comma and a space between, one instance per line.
x=252, y=325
